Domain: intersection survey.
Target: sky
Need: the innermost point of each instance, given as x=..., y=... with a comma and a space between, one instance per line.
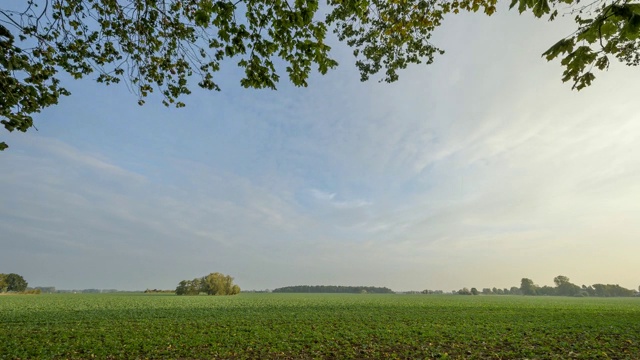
x=475, y=171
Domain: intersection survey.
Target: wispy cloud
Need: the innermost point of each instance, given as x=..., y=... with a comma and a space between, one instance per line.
x=322, y=195
x=337, y=202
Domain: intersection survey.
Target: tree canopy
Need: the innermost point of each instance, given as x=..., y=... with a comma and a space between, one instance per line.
x=212, y=284
x=12, y=282
x=166, y=45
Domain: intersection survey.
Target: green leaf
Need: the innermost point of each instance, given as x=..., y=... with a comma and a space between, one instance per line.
x=562, y=46
x=584, y=81
x=608, y=29
x=602, y=63
x=540, y=8
x=524, y=4
x=590, y=33
x=631, y=29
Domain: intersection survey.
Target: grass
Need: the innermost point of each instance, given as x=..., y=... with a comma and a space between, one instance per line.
x=317, y=326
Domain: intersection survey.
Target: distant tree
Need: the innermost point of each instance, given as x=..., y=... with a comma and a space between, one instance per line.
x=564, y=287
x=486, y=291
x=3, y=282
x=431, y=292
x=515, y=291
x=189, y=287
x=183, y=288
x=610, y=290
x=590, y=290
x=15, y=283
x=560, y=280
x=527, y=287
x=219, y=284
x=464, y=291
x=546, y=290
x=212, y=284
x=474, y=291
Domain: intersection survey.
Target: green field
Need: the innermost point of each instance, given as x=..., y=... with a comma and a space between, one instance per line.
x=317, y=326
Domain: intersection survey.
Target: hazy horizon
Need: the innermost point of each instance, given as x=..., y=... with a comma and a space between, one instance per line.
x=475, y=171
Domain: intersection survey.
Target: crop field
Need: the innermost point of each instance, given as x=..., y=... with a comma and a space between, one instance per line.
x=317, y=326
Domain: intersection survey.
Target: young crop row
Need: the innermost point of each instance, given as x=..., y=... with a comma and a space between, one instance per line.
x=292, y=326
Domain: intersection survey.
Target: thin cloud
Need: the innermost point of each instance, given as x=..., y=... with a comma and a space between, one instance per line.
x=322, y=195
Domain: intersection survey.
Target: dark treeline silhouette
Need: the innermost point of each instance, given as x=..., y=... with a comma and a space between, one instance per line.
x=563, y=287
x=96, y=291
x=46, y=289
x=159, y=291
x=488, y=291
x=429, y=292
x=334, y=289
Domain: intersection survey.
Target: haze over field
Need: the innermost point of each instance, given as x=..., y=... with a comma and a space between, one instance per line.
x=478, y=170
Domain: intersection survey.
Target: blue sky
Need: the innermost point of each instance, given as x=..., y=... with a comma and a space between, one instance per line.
x=475, y=171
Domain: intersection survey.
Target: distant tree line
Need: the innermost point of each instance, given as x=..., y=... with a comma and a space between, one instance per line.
x=431, y=292
x=474, y=291
x=334, y=289
x=565, y=288
x=96, y=291
x=46, y=289
x=514, y=290
x=490, y=291
x=159, y=291
x=16, y=283
x=212, y=284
